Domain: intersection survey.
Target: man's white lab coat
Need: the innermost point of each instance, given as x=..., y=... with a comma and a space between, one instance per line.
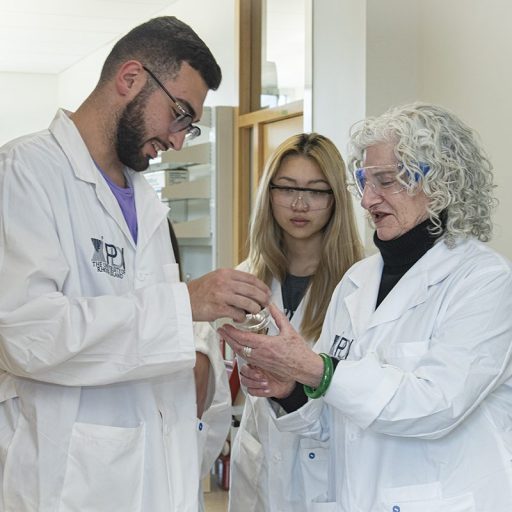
x=97, y=395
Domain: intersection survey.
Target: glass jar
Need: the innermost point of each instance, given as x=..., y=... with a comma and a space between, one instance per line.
x=258, y=323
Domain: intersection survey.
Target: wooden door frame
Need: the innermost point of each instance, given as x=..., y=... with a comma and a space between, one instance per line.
x=250, y=121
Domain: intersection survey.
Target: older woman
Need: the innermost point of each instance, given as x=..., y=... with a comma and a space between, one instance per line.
x=411, y=377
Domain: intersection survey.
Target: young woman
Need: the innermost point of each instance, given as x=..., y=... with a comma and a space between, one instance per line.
x=303, y=238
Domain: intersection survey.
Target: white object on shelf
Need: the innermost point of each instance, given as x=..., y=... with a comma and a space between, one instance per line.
x=196, y=189
x=197, y=228
x=189, y=155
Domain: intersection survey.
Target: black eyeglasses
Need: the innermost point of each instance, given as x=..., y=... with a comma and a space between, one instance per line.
x=182, y=119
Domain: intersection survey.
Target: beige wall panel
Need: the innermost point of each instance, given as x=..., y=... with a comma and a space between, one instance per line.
x=277, y=132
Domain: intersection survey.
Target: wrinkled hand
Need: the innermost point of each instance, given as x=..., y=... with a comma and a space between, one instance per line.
x=286, y=356
x=265, y=384
x=226, y=293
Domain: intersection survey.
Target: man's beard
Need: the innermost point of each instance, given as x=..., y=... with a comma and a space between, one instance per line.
x=131, y=134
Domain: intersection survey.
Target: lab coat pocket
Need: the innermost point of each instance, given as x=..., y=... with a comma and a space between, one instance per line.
x=246, y=465
x=424, y=498
x=180, y=434
x=405, y=355
x=104, y=469
x=313, y=465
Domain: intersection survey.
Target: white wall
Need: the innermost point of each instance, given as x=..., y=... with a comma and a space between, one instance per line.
x=392, y=63
x=78, y=81
x=456, y=53
x=27, y=103
x=466, y=56
x=339, y=72
x=214, y=21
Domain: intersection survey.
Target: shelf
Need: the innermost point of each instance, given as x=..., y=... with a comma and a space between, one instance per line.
x=195, y=242
x=196, y=183
x=188, y=155
x=197, y=228
x=196, y=189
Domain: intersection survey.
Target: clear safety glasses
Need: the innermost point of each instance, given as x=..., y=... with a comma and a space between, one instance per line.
x=385, y=179
x=311, y=198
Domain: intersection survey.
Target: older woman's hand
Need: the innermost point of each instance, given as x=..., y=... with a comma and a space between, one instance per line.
x=286, y=356
x=261, y=383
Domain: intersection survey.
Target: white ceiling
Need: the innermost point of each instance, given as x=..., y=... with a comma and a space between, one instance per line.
x=48, y=36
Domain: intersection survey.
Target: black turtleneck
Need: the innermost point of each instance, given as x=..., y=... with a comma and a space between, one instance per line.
x=401, y=254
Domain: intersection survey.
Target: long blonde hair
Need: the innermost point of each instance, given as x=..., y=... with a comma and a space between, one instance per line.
x=341, y=246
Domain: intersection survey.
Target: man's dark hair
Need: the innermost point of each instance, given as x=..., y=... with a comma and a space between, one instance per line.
x=162, y=44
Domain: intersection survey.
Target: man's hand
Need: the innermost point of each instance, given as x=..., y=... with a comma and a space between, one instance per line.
x=226, y=293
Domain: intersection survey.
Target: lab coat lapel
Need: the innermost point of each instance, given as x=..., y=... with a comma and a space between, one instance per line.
x=277, y=294
x=360, y=304
x=150, y=211
x=412, y=289
x=109, y=202
x=277, y=299
x=84, y=168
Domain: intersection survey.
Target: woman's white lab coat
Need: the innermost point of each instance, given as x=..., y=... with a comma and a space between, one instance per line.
x=97, y=394
x=273, y=471
x=419, y=411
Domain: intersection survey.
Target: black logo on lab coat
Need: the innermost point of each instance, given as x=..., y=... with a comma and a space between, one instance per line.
x=340, y=347
x=108, y=258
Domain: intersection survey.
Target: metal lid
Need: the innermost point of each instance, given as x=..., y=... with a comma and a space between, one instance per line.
x=254, y=323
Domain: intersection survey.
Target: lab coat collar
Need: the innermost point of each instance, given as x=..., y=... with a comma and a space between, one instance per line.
x=150, y=212
x=69, y=139
x=410, y=291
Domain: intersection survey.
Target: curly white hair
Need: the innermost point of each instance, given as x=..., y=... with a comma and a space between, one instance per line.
x=459, y=182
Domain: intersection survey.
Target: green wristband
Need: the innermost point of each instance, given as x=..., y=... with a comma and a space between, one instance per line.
x=324, y=382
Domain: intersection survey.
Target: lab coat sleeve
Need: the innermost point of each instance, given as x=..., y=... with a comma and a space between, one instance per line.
x=78, y=341
x=469, y=356
x=310, y=420
x=217, y=414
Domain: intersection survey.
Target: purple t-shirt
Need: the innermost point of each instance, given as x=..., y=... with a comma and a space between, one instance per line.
x=126, y=199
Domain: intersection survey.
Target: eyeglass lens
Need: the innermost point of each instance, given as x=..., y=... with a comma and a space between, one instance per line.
x=184, y=122
x=290, y=197
x=382, y=179
x=182, y=118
